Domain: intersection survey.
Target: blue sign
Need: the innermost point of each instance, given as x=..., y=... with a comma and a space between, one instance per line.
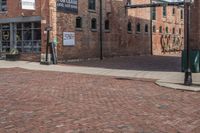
x=67, y=6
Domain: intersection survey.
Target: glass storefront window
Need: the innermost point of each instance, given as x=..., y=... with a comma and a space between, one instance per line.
x=26, y=37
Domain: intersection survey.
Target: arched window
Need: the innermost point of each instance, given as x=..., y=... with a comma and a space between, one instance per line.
x=94, y=24
x=138, y=27
x=146, y=28
x=78, y=22
x=129, y=26
x=181, y=14
x=173, y=11
x=180, y=31
x=154, y=28
x=107, y=24
x=160, y=29
x=173, y=30
x=167, y=30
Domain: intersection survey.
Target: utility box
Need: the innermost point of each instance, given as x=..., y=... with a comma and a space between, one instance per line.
x=194, y=61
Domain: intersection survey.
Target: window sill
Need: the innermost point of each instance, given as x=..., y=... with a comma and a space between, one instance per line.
x=107, y=31
x=3, y=12
x=129, y=32
x=91, y=11
x=79, y=29
x=94, y=30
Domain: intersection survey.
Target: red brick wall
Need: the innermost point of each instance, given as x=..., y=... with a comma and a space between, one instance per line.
x=163, y=41
x=195, y=26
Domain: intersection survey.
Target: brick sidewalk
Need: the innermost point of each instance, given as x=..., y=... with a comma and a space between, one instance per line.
x=54, y=102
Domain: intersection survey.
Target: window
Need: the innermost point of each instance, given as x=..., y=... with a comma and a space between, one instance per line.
x=154, y=13
x=160, y=29
x=180, y=31
x=146, y=29
x=3, y=5
x=164, y=11
x=129, y=27
x=107, y=25
x=91, y=4
x=94, y=24
x=173, y=30
x=78, y=22
x=138, y=28
x=181, y=14
x=128, y=2
x=28, y=37
x=167, y=30
x=154, y=28
x=173, y=11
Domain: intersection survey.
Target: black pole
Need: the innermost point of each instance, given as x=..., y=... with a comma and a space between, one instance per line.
x=47, y=46
x=101, y=31
x=151, y=25
x=188, y=73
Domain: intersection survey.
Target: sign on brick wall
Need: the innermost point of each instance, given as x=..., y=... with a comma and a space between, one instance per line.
x=68, y=38
x=28, y=4
x=67, y=6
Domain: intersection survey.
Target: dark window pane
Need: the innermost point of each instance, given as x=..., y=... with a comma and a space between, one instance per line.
x=37, y=34
x=107, y=25
x=78, y=22
x=94, y=23
x=27, y=25
x=37, y=25
x=27, y=35
x=91, y=4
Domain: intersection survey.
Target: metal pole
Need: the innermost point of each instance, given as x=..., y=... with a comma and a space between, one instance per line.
x=151, y=25
x=101, y=30
x=188, y=73
x=47, y=46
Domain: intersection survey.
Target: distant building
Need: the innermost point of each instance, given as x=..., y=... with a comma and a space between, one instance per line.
x=76, y=25
x=167, y=29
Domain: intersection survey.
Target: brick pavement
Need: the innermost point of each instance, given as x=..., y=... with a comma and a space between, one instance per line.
x=55, y=102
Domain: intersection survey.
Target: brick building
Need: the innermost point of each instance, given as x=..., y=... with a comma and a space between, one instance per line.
x=195, y=26
x=23, y=24
x=167, y=29
x=76, y=25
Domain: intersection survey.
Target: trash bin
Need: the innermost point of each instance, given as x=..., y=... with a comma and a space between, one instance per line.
x=194, y=60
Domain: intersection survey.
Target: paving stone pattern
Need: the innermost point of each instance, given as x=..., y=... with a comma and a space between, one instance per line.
x=55, y=102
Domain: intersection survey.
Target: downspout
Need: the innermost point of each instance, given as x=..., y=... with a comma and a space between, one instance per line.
x=151, y=34
x=101, y=30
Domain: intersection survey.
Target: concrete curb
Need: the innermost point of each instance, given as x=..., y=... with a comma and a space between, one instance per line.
x=178, y=86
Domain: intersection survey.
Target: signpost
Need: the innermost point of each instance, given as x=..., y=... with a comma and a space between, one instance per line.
x=67, y=6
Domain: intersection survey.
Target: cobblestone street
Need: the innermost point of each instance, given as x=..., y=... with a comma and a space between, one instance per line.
x=55, y=102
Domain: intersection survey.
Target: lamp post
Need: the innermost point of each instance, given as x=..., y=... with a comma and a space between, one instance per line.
x=188, y=72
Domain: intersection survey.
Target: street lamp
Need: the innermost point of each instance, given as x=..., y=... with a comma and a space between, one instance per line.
x=188, y=72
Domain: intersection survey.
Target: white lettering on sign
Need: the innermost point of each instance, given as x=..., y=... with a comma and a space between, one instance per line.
x=28, y=4
x=68, y=38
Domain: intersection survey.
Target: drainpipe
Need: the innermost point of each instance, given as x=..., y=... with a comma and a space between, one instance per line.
x=151, y=25
x=101, y=30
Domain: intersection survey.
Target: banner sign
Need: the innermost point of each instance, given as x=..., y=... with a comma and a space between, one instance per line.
x=28, y=4
x=67, y=6
x=68, y=38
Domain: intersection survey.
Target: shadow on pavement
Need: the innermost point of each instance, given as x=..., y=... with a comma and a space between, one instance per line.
x=143, y=63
